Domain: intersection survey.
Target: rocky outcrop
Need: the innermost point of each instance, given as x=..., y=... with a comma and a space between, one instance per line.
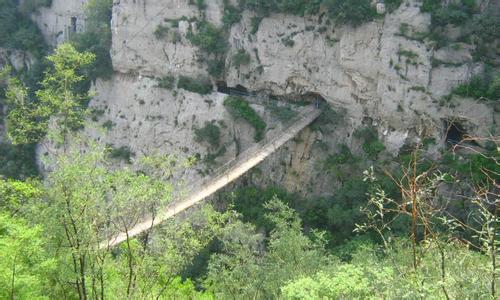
x=58, y=21
x=378, y=73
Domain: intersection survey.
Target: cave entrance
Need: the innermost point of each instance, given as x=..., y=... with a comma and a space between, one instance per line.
x=73, y=24
x=315, y=98
x=455, y=132
x=237, y=90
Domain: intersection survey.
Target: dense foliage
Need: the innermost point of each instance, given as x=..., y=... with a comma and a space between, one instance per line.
x=200, y=85
x=209, y=133
x=485, y=86
x=387, y=230
x=59, y=98
x=239, y=108
x=352, y=12
x=18, y=31
x=96, y=38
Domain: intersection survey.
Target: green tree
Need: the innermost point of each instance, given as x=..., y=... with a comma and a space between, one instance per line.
x=59, y=98
x=24, y=264
x=96, y=38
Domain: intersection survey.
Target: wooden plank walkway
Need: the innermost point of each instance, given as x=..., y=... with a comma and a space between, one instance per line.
x=223, y=176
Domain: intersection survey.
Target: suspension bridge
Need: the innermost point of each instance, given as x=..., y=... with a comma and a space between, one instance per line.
x=222, y=176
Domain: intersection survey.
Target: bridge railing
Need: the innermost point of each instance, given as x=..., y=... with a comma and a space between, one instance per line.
x=246, y=154
x=207, y=186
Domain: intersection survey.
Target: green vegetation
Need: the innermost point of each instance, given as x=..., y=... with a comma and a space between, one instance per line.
x=122, y=153
x=213, y=45
x=485, y=86
x=283, y=113
x=18, y=31
x=166, y=82
x=371, y=144
x=239, y=108
x=28, y=7
x=241, y=58
x=59, y=98
x=97, y=37
x=232, y=15
x=209, y=38
x=200, y=85
x=199, y=3
x=17, y=161
x=385, y=230
x=352, y=12
x=210, y=133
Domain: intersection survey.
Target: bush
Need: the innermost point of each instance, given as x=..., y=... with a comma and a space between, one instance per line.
x=97, y=37
x=371, y=144
x=232, y=15
x=166, y=82
x=209, y=38
x=209, y=133
x=200, y=85
x=28, y=7
x=239, y=108
x=18, y=161
x=216, y=66
x=18, y=31
x=483, y=86
x=123, y=153
x=352, y=12
x=241, y=58
x=283, y=113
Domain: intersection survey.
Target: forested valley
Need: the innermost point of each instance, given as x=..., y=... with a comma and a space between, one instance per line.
x=406, y=226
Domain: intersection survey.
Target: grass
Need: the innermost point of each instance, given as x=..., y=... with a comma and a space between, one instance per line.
x=240, y=109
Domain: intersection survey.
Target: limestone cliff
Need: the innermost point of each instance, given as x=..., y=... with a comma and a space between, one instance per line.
x=365, y=73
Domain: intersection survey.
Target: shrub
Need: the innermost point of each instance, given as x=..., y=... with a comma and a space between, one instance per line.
x=239, y=108
x=209, y=38
x=352, y=12
x=210, y=133
x=97, y=37
x=283, y=113
x=200, y=85
x=28, y=7
x=122, y=153
x=166, y=82
x=18, y=31
x=255, y=24
x=392, y=5
x=216, y=66
x=232, y=15
x=241, y=58
x=483, y=86
x=18, y=161
x=371, y=144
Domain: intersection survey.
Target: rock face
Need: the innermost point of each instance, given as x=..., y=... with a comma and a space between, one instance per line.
x=61, y=19
x=374, y=74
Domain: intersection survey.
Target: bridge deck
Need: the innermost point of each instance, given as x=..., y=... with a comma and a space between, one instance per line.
x=223, y=176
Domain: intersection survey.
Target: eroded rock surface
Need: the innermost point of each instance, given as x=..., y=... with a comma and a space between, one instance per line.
x=374, y=72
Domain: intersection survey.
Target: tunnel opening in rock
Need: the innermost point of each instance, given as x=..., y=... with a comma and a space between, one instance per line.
x=73, y=24
x=314, y=98
x=237, y=90
x=455, y=132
